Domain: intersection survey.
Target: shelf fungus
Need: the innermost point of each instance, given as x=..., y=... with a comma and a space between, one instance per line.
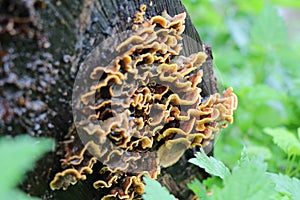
x=143, y=110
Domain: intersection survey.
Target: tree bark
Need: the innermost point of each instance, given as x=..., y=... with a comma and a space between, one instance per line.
x=42, y=46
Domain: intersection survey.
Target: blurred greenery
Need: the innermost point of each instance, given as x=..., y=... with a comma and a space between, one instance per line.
x=256, y=55
x=17, y=156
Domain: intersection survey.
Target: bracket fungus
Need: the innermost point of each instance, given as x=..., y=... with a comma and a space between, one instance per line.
x=144, y=110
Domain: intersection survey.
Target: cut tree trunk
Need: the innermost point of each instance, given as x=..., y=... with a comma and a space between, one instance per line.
x=42, y=46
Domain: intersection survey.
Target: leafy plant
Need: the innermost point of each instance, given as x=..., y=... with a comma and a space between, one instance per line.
x=198, y=188
x=290, y=144
x=248, y=179
x=153, y=190
x=257, y=56
x=17, y=156
x=286, y=186
x=210, y=164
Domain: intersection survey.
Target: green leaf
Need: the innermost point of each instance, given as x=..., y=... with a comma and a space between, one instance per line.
x=16, y=195
x=248, y=181
x=269, y=29
x=287, y=186
x=210, y=182
x=198, y=188
x=154, y=191
x=285, y=139
x=210, y=164
x=17, y=156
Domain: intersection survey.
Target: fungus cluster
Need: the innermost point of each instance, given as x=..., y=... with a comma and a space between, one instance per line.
x=144, y=111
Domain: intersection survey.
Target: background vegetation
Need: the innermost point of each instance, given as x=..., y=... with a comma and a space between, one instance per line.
x=259, y=57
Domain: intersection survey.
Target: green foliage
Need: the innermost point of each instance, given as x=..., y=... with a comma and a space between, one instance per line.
x=154, y=191
x=198, y=188
x=256, y=55
x=248, y=180
x=285, y=139
x=210, y=164
x=17, y=156
x=286, y=186
x=290, y=3
x=290, y=144
x=213, y=181
x=272, y=35
x=16, y=195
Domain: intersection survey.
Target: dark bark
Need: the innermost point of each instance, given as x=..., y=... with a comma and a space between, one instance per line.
x=40, y=56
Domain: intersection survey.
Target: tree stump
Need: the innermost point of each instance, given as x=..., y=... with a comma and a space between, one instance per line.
x=42, y=46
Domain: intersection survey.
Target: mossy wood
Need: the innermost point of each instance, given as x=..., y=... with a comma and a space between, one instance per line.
x=40, y=56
